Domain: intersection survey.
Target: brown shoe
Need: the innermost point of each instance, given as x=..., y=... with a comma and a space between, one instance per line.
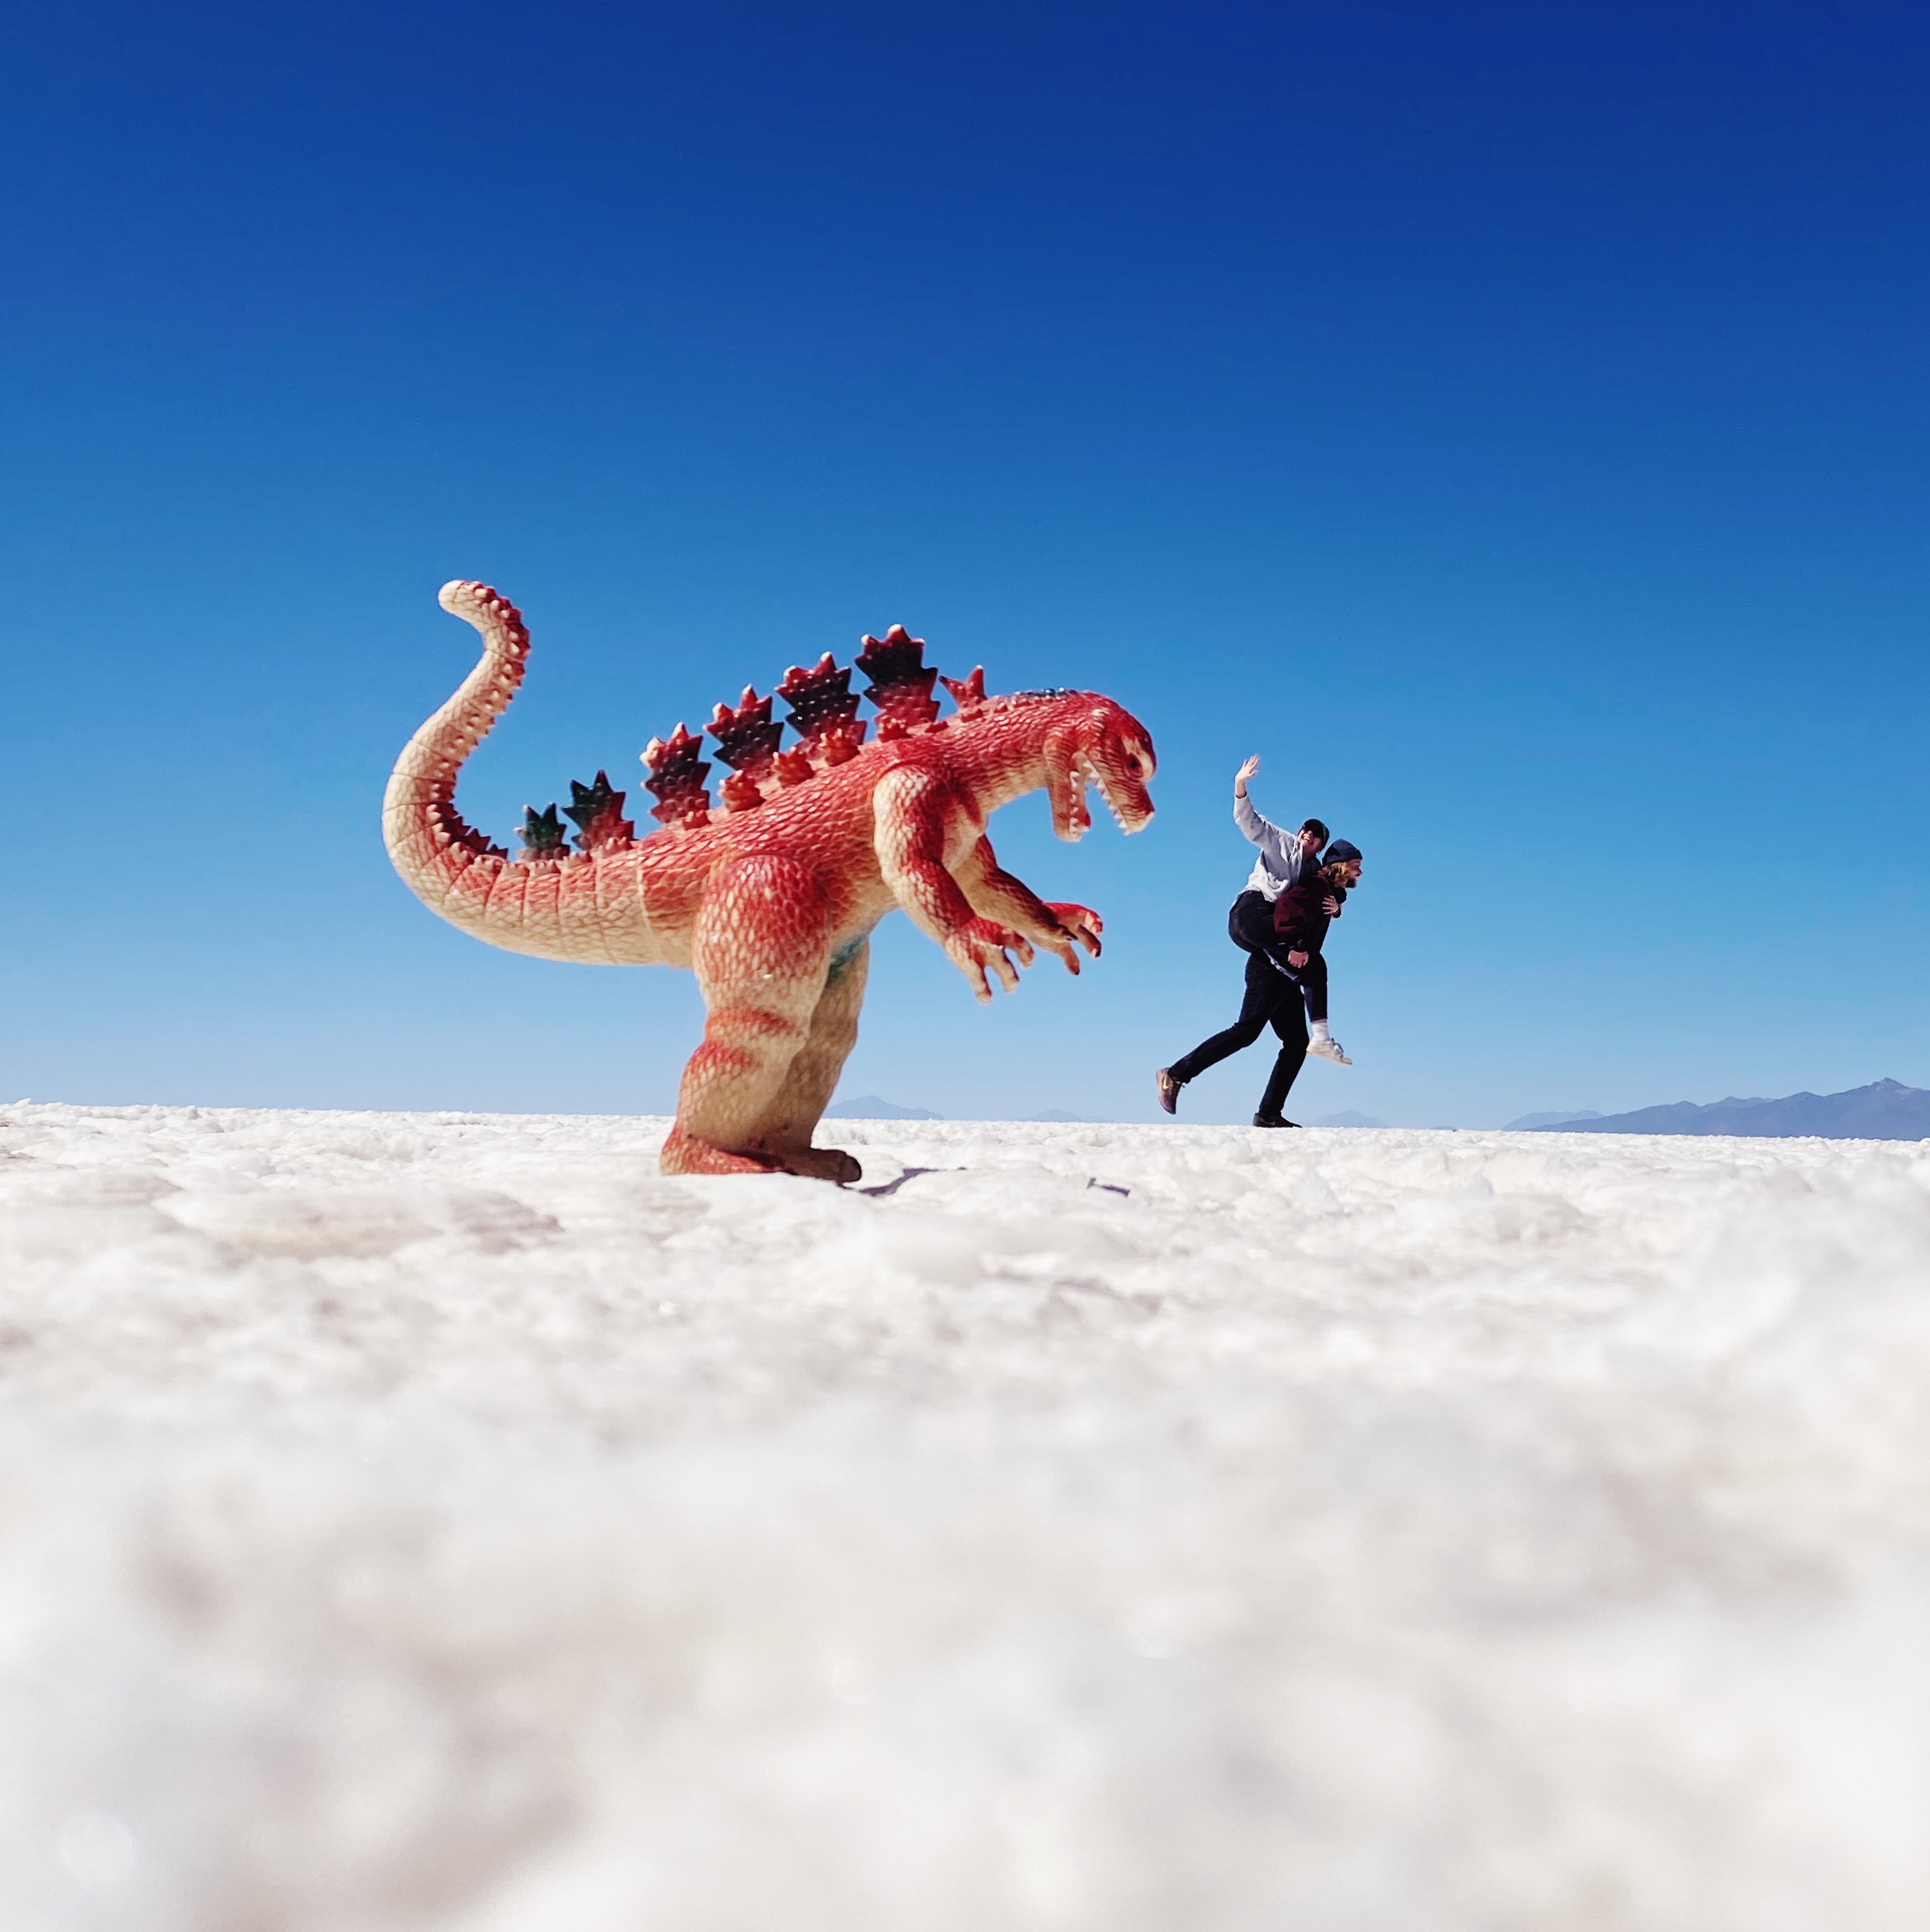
x=1168, y=1089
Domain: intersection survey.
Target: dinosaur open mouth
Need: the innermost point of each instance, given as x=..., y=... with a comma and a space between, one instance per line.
x=1085, y=771
x=1077, y=820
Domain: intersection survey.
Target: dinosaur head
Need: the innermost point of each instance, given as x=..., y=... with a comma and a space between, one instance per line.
x=1095, y=741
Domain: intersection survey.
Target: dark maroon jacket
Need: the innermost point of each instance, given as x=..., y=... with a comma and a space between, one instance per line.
x=1300, y=925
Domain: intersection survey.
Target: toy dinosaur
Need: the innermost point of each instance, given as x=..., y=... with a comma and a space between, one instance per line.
x=771, y=897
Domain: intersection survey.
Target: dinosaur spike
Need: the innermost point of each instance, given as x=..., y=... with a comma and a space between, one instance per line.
x=598, y=811
x=844, y=743
x=543, y=833
x=966, y=691
x=449, y=829
x=822, y=704
x=741, y=793
x=676, y=778
x=900, y=686
x=747, y=738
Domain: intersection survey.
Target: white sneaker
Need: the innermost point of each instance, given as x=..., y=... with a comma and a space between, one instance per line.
x=1328, y=1048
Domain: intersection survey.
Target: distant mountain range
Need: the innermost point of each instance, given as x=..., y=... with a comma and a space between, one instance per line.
x=1884, y=1110
x=869, y=1107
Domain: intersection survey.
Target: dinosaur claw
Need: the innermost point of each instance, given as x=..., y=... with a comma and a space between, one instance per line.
x=832, y=1164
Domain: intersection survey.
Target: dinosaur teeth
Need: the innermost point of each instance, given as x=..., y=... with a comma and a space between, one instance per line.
x=1092, y=771
x=1077, y=817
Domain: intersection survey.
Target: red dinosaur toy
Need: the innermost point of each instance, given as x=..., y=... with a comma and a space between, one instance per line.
x=771, y=898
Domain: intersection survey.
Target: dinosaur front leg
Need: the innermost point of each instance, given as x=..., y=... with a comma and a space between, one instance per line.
x=786, y=1129
x=762, y=949
x=913, y=816
x=1061, y=928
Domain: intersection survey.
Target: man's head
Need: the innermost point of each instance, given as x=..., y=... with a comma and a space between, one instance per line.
x=1343, y=863
x=1312, y=836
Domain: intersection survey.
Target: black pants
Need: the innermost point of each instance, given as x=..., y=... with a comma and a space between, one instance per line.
x=1249, y=925
x=1272, y=999
x=1313, y=977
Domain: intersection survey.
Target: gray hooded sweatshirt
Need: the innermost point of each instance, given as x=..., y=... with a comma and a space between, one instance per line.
x=1280, y=861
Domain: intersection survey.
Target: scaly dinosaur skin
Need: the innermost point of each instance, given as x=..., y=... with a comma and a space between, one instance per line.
x=771, y=899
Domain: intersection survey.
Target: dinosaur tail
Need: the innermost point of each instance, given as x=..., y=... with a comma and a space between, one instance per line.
x=437, y=853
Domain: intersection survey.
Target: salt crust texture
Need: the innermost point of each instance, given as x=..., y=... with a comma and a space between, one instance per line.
x=444, y=1521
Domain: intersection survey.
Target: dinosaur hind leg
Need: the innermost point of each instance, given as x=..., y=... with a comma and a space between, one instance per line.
x=786, y=1129
x=760, y=951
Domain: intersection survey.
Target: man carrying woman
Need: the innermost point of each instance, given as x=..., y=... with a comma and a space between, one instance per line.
x=1279, y=921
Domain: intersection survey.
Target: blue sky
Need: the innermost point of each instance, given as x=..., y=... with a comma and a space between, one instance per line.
x=1509, y=422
